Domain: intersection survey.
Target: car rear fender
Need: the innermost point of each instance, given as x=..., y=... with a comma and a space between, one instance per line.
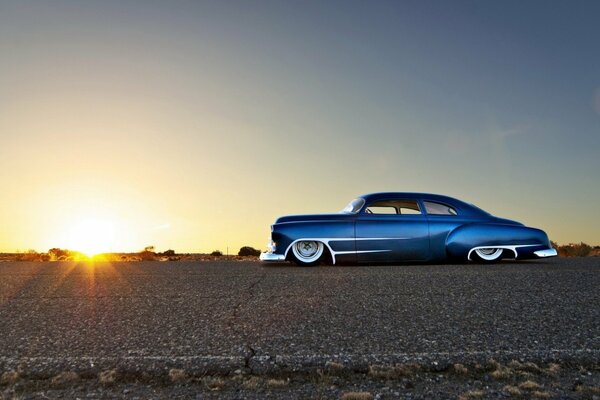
x=466, y=237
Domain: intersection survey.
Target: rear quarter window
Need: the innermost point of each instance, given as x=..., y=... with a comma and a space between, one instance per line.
x=434, y=208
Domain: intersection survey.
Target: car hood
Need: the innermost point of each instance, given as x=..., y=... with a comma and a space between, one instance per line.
x=313, y=217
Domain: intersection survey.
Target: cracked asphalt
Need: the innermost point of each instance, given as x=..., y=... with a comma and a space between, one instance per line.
x=145, y=318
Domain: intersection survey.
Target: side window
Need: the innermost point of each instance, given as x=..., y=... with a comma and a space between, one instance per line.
x=394, y=207
x=434, y=208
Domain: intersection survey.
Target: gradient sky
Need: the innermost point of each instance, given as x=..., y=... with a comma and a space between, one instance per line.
x=192, y=125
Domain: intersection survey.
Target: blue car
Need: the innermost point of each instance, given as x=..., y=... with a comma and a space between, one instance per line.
x=403, y=227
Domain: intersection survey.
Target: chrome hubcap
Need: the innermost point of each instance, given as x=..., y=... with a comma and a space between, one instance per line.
x=487, y=252
x=307, y=248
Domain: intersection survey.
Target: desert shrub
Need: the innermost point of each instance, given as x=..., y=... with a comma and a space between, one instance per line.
x=168, y=253
x=216, y=253
x=249, y=251
x=147, y=256
x=58, y=254
x=574, y=250
x=30, y=255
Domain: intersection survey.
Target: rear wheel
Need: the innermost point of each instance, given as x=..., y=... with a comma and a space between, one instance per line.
x=489, y=254
x=307, y=252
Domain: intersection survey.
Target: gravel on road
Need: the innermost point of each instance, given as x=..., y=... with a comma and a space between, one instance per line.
x=247, y=330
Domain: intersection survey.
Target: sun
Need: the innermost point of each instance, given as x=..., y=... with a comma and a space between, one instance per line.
x=92, y=236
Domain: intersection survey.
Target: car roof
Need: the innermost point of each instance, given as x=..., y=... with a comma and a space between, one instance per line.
x=461, y=206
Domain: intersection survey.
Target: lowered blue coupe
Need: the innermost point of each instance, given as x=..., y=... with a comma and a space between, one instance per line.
x=403, y=227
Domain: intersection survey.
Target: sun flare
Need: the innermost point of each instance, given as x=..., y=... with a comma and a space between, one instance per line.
x=92, y=236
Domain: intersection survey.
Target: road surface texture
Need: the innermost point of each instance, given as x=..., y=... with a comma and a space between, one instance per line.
x=245, y=330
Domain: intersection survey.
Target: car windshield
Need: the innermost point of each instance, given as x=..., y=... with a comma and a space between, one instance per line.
x=354, y=206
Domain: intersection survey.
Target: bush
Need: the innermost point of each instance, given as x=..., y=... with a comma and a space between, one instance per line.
x=58, y=254
x=575, y=250
x=147, y=256
x=168, y=253
x=249, y=251
x=216, y=253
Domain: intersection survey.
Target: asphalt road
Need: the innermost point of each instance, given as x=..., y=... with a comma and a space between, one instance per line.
x=222, y=317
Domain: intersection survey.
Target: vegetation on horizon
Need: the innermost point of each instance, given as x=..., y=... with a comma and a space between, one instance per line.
x=149, y=254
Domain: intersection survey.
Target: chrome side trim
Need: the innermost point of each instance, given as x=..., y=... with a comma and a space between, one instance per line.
x=546, y=253
x=513, y=248
x=334, y=253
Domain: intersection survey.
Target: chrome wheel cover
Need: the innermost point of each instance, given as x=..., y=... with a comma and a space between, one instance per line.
x=489, y=253
x=307, y=251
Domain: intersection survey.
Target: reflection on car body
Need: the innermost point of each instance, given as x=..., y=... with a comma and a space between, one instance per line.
x=403, y=227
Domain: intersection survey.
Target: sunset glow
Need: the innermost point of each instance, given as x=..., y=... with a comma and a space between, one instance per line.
x=192, y=127
x=92, y=236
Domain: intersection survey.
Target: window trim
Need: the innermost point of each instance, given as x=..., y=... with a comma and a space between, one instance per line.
x=421, y=206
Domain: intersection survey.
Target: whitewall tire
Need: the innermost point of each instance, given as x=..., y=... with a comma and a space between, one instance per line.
x=489, y=254
x=307, y=252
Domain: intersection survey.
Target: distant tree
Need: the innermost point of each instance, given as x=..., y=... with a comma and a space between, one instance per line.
x=217, y=253
x=249, y=251
x=168, y=253
x=58, y=254
x=149, y=249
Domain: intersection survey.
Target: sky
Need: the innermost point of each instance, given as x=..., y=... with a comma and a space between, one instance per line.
x=192, y=125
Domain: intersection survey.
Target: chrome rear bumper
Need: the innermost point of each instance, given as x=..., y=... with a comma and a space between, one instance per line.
x=546, y=253
x=271, y=257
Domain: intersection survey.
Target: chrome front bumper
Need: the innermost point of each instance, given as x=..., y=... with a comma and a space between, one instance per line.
x=266, y=256
x=546, y=253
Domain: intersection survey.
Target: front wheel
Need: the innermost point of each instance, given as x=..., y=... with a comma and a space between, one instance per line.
x=489, y=254
x=307, y=252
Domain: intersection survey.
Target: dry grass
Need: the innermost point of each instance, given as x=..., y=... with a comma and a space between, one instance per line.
x=334, y=368
x=460, y=369
x=512, y=390
x=64, y=378
x=393, y=371
x=501, y=373
x=12, y=396
x=525, y=375
x=357, y=396
x=538, y=394
x=177, y=375
x=107, y=377
x=252, y=383
x=277, y=383
x=553, y=369
x=530, y=367
x=214, y=384
x=529, y=385
x=588, y=390
x=472, y=394
x=515, y=364
x=10, y=377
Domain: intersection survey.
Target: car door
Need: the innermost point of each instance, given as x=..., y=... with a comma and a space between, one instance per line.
x=392, y=230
